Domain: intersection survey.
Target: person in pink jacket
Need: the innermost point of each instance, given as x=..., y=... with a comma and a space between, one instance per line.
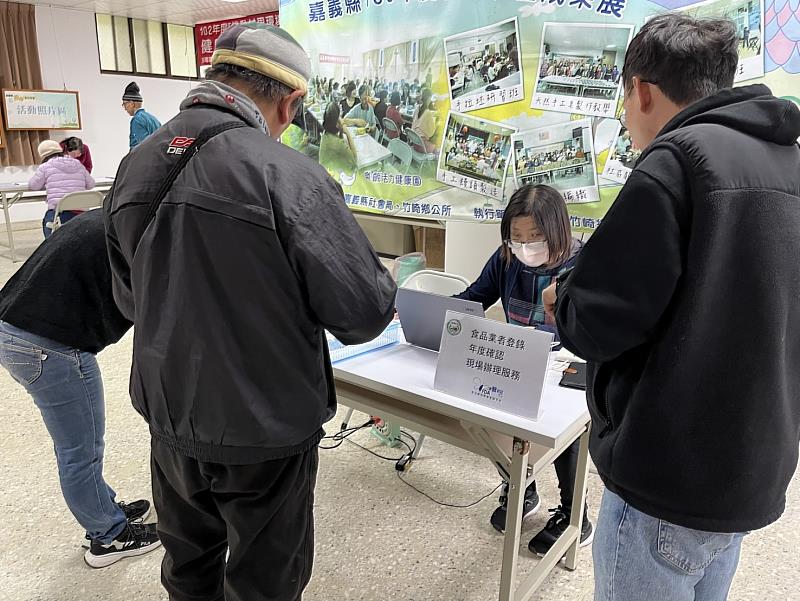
x=59, y=175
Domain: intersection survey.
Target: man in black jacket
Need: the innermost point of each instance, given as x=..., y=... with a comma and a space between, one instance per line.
x=685, y=304
x=249, y=258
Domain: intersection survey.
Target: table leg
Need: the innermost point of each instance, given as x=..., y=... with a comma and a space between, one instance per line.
x=418, y=446
x=9, y=231
x=579, y=498
x=346, y=422
x=516, y=495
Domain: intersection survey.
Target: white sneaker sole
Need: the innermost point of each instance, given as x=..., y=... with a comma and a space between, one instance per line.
x=103, y=561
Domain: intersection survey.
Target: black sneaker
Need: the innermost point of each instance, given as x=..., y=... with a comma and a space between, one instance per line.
x=529, y=506
x=556, y=526
x=138, y=510
x=136, y=539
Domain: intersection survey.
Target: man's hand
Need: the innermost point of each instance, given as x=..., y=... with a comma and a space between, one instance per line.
x=549, y=298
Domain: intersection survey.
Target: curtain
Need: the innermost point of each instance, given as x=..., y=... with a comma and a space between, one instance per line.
x=19, y=69
x=431, y=57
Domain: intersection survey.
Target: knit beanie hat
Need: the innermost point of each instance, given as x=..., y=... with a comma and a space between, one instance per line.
x=132, y=93
x=48, y=148
x=266, y=50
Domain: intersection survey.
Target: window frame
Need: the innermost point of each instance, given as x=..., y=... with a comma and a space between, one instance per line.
x=135, y=71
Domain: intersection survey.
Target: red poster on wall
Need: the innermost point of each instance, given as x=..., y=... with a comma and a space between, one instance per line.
x=206, y=34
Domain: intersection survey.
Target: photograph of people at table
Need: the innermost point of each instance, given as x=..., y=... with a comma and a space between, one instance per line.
x=622, y=157
x=536, y=245
x=484, y=66
x=383, y=94
x=580, y=68
x=561, y=155
x=747, y=17
x=475, y=154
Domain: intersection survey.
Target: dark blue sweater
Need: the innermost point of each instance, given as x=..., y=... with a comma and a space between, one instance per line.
x=518, y=287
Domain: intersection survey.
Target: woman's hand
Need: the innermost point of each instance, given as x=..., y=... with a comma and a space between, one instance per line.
x=549, y=298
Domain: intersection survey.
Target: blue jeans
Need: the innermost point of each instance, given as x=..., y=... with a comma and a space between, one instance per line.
x=50, y=215
x=640, y=557
x=66, y=386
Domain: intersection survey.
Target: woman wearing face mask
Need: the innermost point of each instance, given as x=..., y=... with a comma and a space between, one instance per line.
x=537, y=246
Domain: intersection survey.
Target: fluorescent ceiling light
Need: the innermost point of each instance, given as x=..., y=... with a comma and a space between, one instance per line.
x=234, y=1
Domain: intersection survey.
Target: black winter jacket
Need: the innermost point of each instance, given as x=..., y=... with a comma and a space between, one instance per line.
x=251, y=256
x=686, y=303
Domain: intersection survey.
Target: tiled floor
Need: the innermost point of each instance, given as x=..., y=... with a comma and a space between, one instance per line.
x=376, y=538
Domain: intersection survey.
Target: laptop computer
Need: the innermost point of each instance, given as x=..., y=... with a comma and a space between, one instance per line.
x=422, y=315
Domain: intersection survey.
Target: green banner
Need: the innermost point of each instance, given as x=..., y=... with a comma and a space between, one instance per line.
x=441, y=109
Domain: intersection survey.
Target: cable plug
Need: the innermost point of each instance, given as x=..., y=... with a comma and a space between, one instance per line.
x=403, y=463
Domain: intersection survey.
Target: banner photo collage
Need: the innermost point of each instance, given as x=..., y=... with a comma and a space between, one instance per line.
x=442, y=109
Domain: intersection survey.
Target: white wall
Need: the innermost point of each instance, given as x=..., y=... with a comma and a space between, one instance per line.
x=69, y=57
x=468, y=246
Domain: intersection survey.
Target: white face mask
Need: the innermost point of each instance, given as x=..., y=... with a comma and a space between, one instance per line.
x=533, y=257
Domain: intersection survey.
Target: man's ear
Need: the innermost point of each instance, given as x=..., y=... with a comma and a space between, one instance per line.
x=286, y=112
x=643, y=95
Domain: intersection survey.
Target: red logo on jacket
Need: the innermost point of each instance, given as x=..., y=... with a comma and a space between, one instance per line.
x=179, y=145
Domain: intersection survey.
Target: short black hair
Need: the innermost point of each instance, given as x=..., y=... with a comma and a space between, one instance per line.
x=363, y=89
x=260, y=85
x=382, y=95
x=688, y=59
x=549, y=212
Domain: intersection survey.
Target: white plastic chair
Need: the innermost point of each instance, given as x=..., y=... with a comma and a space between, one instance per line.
x=436, y=282
x=422, y=158
x=402, y=152
x=76, y=201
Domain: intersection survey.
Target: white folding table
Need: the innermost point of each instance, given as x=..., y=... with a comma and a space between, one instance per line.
x=397, y=384
x=14, y=193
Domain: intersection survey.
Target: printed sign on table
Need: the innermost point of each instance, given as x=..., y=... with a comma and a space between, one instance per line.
x=206, y=34
x=494, y=364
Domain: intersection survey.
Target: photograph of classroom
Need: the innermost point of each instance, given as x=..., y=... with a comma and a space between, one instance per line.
x=583, y=61
x=484, y=60
x=560, y=155
x=374, y=108
x=476, y=148
x=745, y=14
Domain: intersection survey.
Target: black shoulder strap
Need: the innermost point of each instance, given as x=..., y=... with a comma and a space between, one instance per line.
x=205, y=135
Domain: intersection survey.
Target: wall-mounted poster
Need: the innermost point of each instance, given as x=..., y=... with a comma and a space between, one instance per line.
x=747, y=15
x=581, y=67
x=483, y=66
x=544, y=68
x=474, y=155
x=41, y=109
x=559, y=155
